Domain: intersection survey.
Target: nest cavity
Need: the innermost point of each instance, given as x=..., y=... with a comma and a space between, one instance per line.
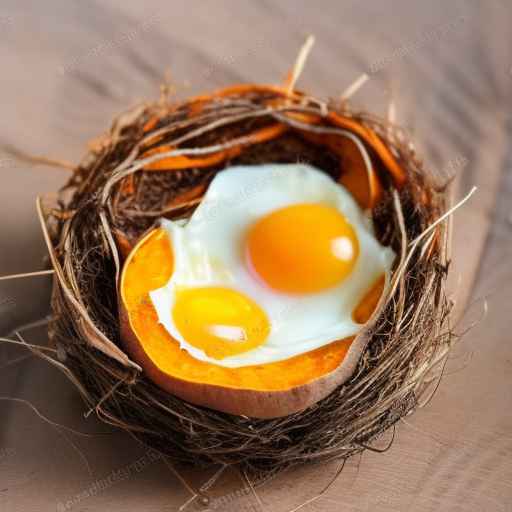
x=113, y=197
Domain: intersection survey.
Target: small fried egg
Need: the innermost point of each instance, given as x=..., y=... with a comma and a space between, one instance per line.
x=271, y=265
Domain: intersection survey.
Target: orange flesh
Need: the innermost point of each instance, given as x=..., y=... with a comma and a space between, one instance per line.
x=362, y=183
x=150, y=266
x=185, y=162
x=195, y=105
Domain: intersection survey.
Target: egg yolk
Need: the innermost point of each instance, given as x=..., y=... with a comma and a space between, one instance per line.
x=302, y=248
x=219, y=321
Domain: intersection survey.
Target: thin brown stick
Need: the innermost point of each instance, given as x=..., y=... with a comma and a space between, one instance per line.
x=37, y=160
x=27, y=274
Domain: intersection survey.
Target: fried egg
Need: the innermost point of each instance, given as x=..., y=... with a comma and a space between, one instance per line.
x=271, y=265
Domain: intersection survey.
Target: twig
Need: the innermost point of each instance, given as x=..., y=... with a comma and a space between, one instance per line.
x=37, y=160
x=16, y=360
x=55, y=425
x=253, y=490
x=443, y=217
x=102, y=342
x=183, y=481
x=29, y=325
x=27, y=274
x=354, y=87
x=28, y=345
x=300, y=62
x=45, y=418
x=325, y=489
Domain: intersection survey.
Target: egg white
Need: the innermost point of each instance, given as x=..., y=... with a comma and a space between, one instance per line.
x=209, y=251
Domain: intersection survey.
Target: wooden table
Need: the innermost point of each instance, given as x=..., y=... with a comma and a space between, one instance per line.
x=68, y=66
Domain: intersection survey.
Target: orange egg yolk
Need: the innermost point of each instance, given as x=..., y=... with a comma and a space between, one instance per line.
x=219, y=321
x=302, y=248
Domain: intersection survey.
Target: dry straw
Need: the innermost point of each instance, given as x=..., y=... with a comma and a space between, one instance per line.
x=118, y=192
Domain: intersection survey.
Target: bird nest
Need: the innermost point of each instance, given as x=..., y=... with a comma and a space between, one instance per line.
x=157, y=161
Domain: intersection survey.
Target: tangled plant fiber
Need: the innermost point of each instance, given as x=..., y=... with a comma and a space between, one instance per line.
x=156, y=161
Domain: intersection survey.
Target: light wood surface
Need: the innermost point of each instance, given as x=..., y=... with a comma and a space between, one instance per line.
x=69, y=66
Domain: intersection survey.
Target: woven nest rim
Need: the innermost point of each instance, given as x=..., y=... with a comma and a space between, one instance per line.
x=91, y=220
